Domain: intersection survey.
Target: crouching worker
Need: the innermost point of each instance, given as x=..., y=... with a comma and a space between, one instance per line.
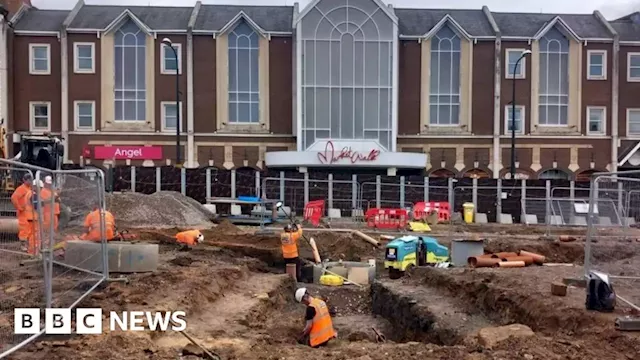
x=318, y=329
x=289, y=240
x=92, y=226
x=190, y=237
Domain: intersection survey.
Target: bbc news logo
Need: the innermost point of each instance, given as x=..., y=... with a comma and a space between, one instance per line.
x=89, y=321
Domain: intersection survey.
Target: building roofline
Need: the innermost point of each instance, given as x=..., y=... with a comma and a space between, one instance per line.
x=242, y=15
x=606, y=24
x=127, y=13
x=556, y=20
x=441, y=23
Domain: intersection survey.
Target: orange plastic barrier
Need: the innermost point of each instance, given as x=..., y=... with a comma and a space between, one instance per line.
x=314, y=211
x=387, y=218
x=422, y=209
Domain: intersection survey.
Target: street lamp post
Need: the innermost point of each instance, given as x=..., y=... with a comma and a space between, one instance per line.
x=167, y=42
x=513, y=115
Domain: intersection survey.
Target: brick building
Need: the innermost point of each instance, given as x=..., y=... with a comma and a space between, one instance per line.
x=346, y=85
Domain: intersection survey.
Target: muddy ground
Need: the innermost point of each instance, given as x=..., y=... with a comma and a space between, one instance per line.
x=240, y=304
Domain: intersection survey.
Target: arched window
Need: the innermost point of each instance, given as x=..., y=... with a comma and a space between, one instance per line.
x=554, y=79
x=130, y=78
x=476, y=174
x=442, y=173
x=347, y=66
x=553, y=174
x=244, y=94
x=444, y=93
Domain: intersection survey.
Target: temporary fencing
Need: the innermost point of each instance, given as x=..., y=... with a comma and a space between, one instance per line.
x=611, y=243
x=48, y=277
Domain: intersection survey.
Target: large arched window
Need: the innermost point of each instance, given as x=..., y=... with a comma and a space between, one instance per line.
x=347, y=60
x=444, y=93
x=130, y=78
x=554, y=79
x=244, y=94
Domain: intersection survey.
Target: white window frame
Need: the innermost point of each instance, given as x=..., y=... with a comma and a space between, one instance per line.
x=32, y=118
x=76, y=115
x=629, y=78
x=32, y=70
x=163, y=115
x=76, y=62
x=507, y=112
x=629, y=134
x=604, y=65
x=603, y=122
x=523, y=65
x=163, y=51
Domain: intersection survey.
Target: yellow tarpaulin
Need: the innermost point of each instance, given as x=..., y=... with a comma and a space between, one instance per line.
x=419, y=226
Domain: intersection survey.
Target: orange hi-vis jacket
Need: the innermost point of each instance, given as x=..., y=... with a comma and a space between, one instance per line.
x=189, y=237
x=289, y=242
x=45, y=196
x=322, y=326
x=92, y=223
x=22, y=201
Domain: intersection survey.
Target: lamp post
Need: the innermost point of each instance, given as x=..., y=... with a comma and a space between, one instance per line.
x=167, y=42
x=513, y=115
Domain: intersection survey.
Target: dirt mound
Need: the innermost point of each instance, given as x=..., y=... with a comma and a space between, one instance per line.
x=342, y=246
x=226, y=227
x=161, y=210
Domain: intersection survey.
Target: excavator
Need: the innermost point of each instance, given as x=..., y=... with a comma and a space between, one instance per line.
x=45, y=151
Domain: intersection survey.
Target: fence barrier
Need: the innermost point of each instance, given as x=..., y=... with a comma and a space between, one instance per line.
x=47, y=277
x=612, y=208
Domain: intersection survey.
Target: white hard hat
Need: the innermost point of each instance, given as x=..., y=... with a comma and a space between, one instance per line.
x=40, y=183
x=300, y=293
x=200, y=238
x=48, y=179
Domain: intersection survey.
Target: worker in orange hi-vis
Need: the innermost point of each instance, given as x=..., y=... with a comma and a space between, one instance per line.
x=289, y=244
x=47, y=192
x=92, y=225
x=49, y=214
x=189, y=237
x=22, y=200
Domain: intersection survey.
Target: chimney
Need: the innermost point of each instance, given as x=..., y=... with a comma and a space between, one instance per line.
x=14, y=5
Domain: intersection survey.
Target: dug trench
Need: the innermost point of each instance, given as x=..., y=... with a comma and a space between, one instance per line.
x=241, y=306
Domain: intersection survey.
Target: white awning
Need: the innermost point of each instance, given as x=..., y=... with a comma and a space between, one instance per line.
x=373, y=159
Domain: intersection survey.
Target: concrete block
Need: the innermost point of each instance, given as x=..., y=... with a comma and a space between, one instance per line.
x=579, y=221
x=529, y=219
x=236, y=210
x=124, y=257
x=357, y=213
x=211, y=208
x=604, y=221
x=334, y=213
x=505, y=219
x=481, y=218
x=555, y=220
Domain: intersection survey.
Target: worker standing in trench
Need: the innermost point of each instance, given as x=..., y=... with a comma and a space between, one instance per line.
x=289, y=239
x=318, y=329
x=23, y=200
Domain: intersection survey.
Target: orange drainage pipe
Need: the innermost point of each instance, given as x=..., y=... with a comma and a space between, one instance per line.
x=537, y=258
x=502, y=255
x=478, y=262
x=485, y=256
x=528, y=260
x=511, y=264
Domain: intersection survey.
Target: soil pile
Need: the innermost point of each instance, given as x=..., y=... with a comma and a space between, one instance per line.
x=161, y=210
x=227, y=228
x=343, y=246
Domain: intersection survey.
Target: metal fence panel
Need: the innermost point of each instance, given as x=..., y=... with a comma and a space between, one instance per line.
x=612, y=208
x=21, y=267
x=46, y=278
